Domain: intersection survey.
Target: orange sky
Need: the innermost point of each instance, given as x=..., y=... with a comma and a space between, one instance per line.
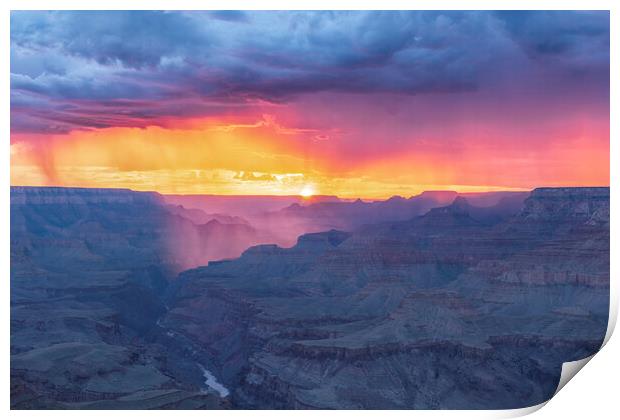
x=356, y=104
x=264, y=157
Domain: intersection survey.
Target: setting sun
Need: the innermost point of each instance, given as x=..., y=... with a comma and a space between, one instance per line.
x=307, y=191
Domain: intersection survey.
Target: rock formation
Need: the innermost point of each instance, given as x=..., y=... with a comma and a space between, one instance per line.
x=459, y=306
x=445, y=310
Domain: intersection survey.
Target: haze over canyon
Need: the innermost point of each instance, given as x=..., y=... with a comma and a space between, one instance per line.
x=123, y=299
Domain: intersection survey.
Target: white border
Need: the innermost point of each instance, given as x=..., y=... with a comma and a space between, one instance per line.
x=593, y=394
x=311, y=5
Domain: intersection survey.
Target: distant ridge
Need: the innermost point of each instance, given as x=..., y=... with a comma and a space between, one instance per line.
x=73, y=195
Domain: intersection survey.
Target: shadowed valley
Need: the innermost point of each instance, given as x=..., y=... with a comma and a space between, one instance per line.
x=123, y=299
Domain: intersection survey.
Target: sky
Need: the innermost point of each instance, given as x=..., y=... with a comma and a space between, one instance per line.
x=354, y=104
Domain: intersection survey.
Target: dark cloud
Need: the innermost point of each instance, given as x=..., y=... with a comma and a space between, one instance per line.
x=145, y=65
x=132, y=38
x=574, y=42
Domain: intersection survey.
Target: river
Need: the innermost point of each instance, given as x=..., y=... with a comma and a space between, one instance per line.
x=212, y=382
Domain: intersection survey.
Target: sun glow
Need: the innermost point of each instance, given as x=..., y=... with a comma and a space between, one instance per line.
x=208, y=160
x=307, y=191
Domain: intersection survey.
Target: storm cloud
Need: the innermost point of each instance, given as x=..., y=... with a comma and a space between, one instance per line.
x=88, y=69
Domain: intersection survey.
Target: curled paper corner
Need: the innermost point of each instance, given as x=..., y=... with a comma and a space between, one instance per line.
x=518, y=412
x=569, y=370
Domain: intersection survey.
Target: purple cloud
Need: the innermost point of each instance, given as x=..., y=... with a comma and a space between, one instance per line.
x=88, y=69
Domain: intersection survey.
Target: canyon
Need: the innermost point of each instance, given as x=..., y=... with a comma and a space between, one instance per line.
x=125, y=299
